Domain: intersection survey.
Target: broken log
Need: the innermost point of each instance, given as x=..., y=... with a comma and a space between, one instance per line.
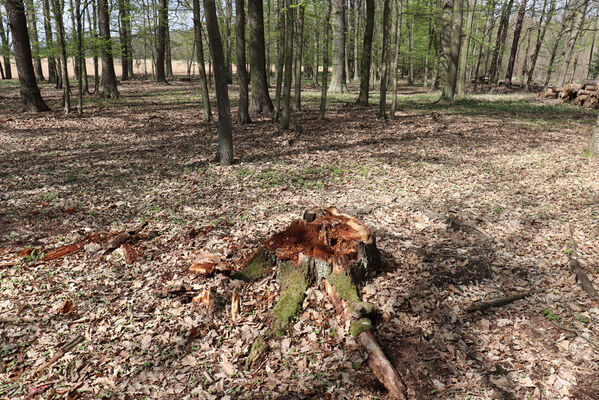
x=337, y=251
x=485, y=305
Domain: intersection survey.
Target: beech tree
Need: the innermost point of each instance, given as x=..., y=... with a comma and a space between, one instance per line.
x=339, y=78
x=5, y=49
x=243, y=116
x=161, y=42
x=366, y=54
x=224, y=153
x=259, y=97
x=30, y=92
x=109, y=84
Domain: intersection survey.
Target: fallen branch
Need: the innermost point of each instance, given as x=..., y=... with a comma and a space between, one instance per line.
x=122, y=238
x=60, y=353
x=485, y=305
x=582, y=278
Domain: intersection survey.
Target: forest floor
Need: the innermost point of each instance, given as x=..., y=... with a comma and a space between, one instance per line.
x=470, y=202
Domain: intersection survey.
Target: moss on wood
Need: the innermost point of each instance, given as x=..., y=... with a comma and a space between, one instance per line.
x=258, y=348
x=256, y=269
x=294, y=282
x=359, y=326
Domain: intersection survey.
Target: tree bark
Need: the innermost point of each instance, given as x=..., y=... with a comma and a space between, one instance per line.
x=35, y=44
x=453, y=50
x=515, y=43
x=225, y=126
x=30, y=93
x=259, y=97
x=161, y=40
x=285, y=114
x=461, y=80
x=325, y=62
x=49, y=42
x=384, y=61
x=280, y=61
x=365, y=62
x=5, y=50
x=66, y=87
x=500, y=42
x=339, y=78
x=394, y=70
x=243, y=116
x=80, y=55
x=125, y=34
x=108, y=75
x=580, y=11
x=541, y=31
x=199, y=43
x=297, y=104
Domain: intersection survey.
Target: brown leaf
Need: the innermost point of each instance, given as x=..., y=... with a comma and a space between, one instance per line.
x=67, y=307
x=129, y=252
x=206, y=268
x=205, y=297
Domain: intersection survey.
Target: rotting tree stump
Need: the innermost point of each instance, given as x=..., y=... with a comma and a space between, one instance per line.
x=338, y=252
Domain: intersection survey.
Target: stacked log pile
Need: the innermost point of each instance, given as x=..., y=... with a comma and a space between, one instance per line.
x=585, y=94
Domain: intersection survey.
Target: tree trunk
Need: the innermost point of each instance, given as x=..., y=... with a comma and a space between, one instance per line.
x=579, y=17
x=94, y=33
x=30, y=93
x=394, y=70
x=515, y=43
x=297, y=104
x=243, y=116
x=168, y=61
x=161, y=40
x=461, y=80
x=124, y=36
x=108, y=75
x=315, y=64
x=285, y=114
x=553, y=55
x=542, y=30
x=500, y=42
x=49, y=43
x=5, y=49
x=592, y=47
x=80, y=55
x=528, y=40
x=453, y=50
x=365, y=62
x=280, y=61
x=225, y=126
x=384, y=61
x=66, y=86
x=197, y=26
x=339, y=78
x=325, y=62
x=35, y=44
x=259, y=97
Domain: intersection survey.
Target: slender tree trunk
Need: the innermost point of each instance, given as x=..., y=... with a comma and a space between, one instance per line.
x=259, y=97
x=30, y=93
x=243, y=115
x=80, y=56
x=580, y=14
x=500, y=42
x=589, y=67
x=286, y=113
x=463, y=65
x=108, y=75
x=49, y=43
x=315, y=65
x=365, y=62
x=528, y=41
x=515, y=43
x=542, y=30
x=94, y=32
x=197, y=26
x=488, y=34
x=297, y=104
x=394, y=70
x=339, y=78
x=225, y=126
x=161, y=40
x=280, y=61
x=385, y=61
x=66, y=85
x=357, y=9
x=325, y=62
x=553, y=55
x=410, y=23
x=168, y=62
x=267, y=40
x=5, y=49
x=124, y=40
x=35, y=44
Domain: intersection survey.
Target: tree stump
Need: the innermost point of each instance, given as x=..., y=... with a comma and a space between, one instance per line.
x=338, y=252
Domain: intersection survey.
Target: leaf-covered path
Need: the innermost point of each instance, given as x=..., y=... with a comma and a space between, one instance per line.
x=470, y=202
